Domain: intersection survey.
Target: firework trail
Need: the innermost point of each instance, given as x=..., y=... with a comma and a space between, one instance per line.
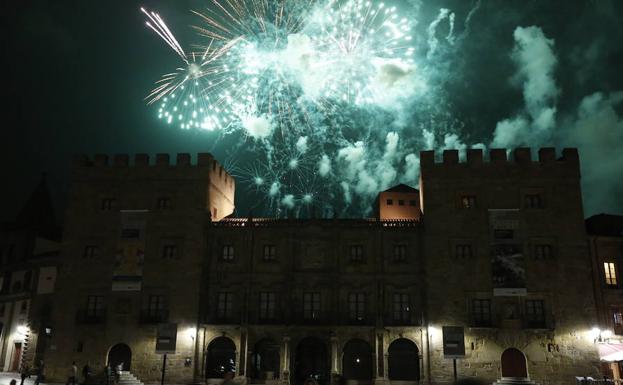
x=306, y=84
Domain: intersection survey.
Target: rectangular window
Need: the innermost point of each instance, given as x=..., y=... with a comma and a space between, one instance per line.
x=163, y=203
x=267, y=306
x=610, y=274
x=463, y=251
x=534, y=201
x=542, y=252
x=412, y=203
x=400, y=253
x=95, y=306
x=617, y=321
x=401, y=202
x=270, y=252
x=224, y=306
x=400, y=308
x=228, y=253
x=107, y=204
x=311, y=306
x=89, y=251
x=390, y=202
x=356, y=307
x=481, y=312
x=169, y=251
x=156, y=306
x=356, y=253
x=535, y=313
x=468, y=201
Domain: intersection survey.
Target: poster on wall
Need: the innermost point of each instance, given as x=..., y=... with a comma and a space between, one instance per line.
x=507, y=260
x=128, y=270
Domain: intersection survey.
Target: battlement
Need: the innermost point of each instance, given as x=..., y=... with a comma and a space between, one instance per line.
x=141, y=163
x=498, y=156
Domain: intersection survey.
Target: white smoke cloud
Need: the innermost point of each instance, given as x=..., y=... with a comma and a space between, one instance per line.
x=274, y=189
x=433, y=42
x=536, y=61
x=324, y=166
x=354, y=157
x=412, y=168
x=258, y=127
x=597, y=132
x=301, y=145
x=288, y=201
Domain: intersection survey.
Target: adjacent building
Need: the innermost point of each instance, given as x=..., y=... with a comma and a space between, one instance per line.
x=605, y=234
x=483, y=272
x=29, y=249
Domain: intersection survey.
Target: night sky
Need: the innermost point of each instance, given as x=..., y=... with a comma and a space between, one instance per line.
x=77, y=72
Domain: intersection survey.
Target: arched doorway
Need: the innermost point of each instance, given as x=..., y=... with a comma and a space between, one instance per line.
x=311, y=360
x=265, y=360
x=403, y=361
x=120, y=354
x=221, y=357
x=357, y=361
x=514, y=363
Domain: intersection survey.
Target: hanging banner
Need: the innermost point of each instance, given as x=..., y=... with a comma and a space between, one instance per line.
x=507, y=260
x=128, y=270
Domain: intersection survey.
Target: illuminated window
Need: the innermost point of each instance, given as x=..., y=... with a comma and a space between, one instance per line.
x=89, y=251
x=400, y=253
x=401, y=202
x=356, y=253
x=169, y=251
x=267, y=305
x=463, y=251
x=225, y=305
x=95, y=306
x=390, y=202
x=542, y=251
x=228, y=253
x=610, y=274
x=481, y=312
x=356, y=306
x=311, y=306
x=270, y=252
x=400, y=308
x=468, y=201
x=535, y=314
x=107, y=204
x=164, y=203
x=533, y=201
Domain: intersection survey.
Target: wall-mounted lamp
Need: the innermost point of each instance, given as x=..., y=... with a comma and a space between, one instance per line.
x=22, y=329
x=192, y=332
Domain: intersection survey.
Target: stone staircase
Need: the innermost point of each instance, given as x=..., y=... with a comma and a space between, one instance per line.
x=514, y=381
x=127, y=378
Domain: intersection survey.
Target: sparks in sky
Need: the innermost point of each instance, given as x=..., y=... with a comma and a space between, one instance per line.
x=301, y=82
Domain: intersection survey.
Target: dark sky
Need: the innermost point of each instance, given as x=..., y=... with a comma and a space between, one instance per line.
x=76, y=74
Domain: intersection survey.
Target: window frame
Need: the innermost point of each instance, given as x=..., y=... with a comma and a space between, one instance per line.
x=228, y=253
x=463, y=251
x=468, y=201
x=95, y=306
x=401, y=308
x=356, y=253
x=267, y=305
x=269, y=253
x=312, y=305
x=610, y=274
x=535, y=315
x=225, y=305
x=481, y=315
x=356, y=306
x=90, y=251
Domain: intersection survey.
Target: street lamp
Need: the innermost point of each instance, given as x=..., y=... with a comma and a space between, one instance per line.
x=599, y=335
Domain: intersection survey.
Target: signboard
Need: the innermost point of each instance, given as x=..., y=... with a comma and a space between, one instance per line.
x=166, y=339
x=453, y=341
x=507, y=260
x=128, y=270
